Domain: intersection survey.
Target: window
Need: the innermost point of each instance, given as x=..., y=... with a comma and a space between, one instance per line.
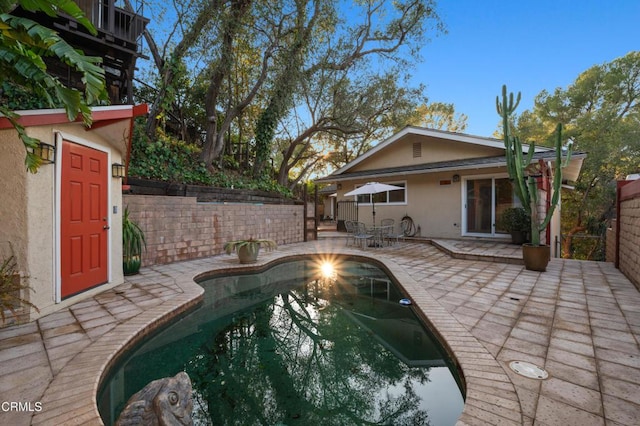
x=485, y=199
x=390, y=197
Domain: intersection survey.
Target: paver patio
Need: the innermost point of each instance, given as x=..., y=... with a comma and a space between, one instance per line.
x=579, y=320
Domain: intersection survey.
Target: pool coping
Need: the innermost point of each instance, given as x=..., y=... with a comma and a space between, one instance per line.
x=480, y=371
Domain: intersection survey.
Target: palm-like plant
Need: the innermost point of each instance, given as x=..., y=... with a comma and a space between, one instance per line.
x=24, y=43
x=132, y=243
x=10, y=288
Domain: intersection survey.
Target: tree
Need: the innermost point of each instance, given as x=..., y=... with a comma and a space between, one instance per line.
x=169, y=62
x=340, y=119
x=24, y=43
x=602, y=115
x=440, y=116
x=347, y=53
x=254, y=58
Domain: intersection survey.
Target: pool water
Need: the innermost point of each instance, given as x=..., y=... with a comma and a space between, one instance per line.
x=302, y=343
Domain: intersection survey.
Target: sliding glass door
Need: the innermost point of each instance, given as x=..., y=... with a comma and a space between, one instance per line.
x=484, y=201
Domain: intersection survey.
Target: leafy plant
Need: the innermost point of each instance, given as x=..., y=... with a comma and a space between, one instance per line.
x=167, y=159
x=132, y=243
x=515, y=219
x=10, y=288
x=23, y=45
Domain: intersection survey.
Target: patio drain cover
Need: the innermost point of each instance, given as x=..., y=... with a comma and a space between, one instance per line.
x=529, y=370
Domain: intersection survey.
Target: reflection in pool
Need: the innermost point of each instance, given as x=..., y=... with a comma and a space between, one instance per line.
x=299, y=343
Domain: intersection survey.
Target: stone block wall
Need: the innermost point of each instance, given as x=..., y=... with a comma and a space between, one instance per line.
x=629, y=238
x=180, y=228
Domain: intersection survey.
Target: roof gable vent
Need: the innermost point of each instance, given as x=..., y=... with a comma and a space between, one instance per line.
x=417, y=149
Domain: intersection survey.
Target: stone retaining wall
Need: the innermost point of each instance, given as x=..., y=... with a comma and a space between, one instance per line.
x=180, y=228
x=629, y=237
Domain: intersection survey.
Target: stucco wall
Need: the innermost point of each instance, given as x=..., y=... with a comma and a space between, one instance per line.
x=180, y=228
x=13, y=202
x=434, y=202
x=629, y=216
x=401, y=153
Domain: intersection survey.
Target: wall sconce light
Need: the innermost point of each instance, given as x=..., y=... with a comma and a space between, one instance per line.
x=456, y=178
x=117, y=170
x=45, y=152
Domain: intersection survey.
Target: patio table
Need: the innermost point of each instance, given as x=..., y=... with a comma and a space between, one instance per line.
x=379, y=233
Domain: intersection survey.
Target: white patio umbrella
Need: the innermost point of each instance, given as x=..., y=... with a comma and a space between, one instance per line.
x=373, y=188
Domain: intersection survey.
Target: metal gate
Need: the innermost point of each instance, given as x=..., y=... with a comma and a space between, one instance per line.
x=346, y=210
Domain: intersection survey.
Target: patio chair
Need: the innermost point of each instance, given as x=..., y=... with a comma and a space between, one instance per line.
x=351, y=231
x=393, y=235
x=362, y=236
x=387, y=230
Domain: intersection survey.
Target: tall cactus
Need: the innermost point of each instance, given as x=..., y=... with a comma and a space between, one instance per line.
x=519, y=166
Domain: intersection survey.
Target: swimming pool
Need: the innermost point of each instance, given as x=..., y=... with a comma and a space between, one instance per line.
x=307, y=341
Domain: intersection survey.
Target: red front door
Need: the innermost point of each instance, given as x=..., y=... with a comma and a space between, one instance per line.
x=83, y=218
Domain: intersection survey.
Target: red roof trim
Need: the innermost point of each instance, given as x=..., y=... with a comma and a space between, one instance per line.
x=58, y=116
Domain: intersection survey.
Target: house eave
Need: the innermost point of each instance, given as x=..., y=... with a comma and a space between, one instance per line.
x=464, y=165
x=45, y=117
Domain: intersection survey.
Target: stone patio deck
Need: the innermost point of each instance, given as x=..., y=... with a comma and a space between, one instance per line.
x=579, y=320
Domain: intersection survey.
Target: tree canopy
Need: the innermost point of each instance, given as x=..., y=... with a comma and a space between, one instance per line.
x=286, y=81
x=601, y=114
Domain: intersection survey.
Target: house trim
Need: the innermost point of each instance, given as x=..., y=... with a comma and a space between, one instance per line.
x=457, y=165
x=44, y=117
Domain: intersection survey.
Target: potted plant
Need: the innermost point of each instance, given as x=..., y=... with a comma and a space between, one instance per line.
x=517, y=222
x=11, y=286
x=524, y=173
x=132, y=243
x=248, y=250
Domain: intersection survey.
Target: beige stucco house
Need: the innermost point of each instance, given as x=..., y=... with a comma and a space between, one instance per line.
x=454, y=185
x=63, y=223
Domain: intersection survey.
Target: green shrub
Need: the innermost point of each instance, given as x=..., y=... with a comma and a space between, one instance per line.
x=167, y=159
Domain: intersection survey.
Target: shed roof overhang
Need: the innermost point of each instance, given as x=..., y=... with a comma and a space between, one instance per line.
x=570, y=173
x=100, y=116
x=113, y=123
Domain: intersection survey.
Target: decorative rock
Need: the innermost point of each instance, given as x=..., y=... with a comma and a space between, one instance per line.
x=163, y=402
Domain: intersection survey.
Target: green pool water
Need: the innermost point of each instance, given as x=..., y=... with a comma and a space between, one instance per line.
x=305, y=342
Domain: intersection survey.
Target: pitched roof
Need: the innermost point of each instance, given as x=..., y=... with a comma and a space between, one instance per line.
x=456, y=165
x=423, y=131
x=541, y=153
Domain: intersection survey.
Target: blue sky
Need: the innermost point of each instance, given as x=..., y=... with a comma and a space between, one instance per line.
x=528, y=45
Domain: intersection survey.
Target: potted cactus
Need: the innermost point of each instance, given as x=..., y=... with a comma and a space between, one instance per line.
x=524, y=173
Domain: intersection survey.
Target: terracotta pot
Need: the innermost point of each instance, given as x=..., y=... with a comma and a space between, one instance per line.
x=248, y=253
x=536, y=258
